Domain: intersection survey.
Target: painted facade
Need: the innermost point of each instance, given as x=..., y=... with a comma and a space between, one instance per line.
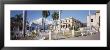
x=94, y=20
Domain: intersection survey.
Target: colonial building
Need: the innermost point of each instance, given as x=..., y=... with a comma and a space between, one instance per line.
x=69, y=22
x=94, y=20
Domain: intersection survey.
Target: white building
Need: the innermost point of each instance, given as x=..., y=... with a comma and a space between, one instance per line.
x=93, y=21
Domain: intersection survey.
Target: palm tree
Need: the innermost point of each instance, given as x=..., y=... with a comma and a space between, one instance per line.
x=19, y=20
x=55, y=17
x=13, y=19
x=13, y=25
x=16, y=23
x=45, y=14
x=24, y=21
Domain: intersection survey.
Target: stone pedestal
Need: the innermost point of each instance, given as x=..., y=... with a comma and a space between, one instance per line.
x=63, y=32
x=73, y=32
x=49, y=34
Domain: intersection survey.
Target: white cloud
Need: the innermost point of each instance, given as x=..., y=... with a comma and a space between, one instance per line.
x=39, y=21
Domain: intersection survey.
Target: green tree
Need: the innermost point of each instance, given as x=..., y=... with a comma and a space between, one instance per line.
x=55, y=17
x=45, y=14
x=71, y=28
x=76, y=27
x=19, y=21
x=16, y=23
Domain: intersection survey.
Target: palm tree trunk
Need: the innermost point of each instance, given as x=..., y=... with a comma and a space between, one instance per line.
x=24, y=22
x=18, y=27
x=18, y=31
x=60, y=19
x=44, y=24
x=55, y=24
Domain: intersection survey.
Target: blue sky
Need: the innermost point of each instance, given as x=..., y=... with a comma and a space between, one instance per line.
x=36, y=14
x=80, y=15
x=14, y=12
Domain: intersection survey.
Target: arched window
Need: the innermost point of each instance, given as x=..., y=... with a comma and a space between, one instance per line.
x=63, y=26
x=66, y=25
x=69, y=25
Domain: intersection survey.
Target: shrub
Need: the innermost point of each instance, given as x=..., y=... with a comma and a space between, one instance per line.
x=76, y=28
x=70, y=28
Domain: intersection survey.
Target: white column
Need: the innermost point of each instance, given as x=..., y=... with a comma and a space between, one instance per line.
x=49, y=34
x=73, y=32
x=90, y=19
x=59, y=20
x=23, y=21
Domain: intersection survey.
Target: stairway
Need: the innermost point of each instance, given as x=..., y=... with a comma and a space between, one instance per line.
x=96, y=28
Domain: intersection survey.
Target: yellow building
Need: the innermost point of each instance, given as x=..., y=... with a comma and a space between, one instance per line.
x=69, y=22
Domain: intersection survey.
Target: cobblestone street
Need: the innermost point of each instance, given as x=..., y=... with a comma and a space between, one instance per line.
x=88, y=37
